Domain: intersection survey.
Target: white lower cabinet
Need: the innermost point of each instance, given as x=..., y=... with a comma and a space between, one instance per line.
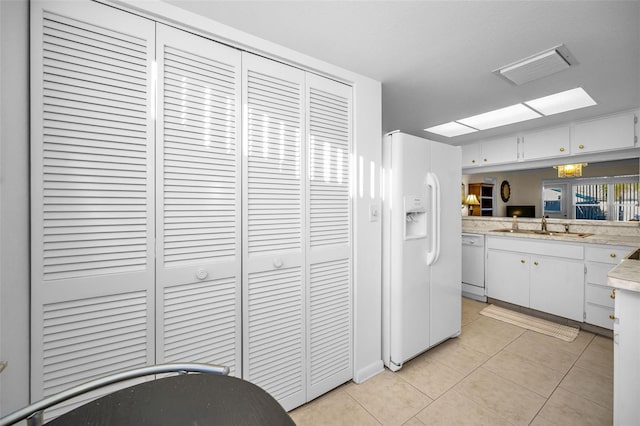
x=598, y=306
x=557, y=286
x=544, y=275
x=626, y=353
x=508, y=276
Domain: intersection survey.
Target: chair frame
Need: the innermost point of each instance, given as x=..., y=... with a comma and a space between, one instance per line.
x=34, y=413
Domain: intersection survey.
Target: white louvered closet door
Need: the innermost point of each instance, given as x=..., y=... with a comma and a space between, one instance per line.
x=198, y=201
x=329, y=274
x=274, y=222
x=92, y=194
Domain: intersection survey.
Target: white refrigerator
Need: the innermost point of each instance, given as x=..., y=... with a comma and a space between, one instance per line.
x=422, y=229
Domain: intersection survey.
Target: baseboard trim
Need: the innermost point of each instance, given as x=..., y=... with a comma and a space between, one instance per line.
x=371, y=370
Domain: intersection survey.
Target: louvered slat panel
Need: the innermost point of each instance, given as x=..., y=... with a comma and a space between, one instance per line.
x=200, y=98
x=199, y=323
x=276, y=331
x=329, y=178
x=274, y=349
x=274, y=199
x=330, y=319
x=329, y=235
x=90, y=338
x=94, y=153
x=198, y=180
x=91, y=195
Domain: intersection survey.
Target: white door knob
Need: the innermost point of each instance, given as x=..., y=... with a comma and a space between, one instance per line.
x=201, y=274
x=277, y=262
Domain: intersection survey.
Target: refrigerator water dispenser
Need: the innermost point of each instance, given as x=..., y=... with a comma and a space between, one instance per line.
x=415, y=224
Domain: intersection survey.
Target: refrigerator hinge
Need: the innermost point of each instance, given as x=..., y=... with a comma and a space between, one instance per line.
x=394, y=366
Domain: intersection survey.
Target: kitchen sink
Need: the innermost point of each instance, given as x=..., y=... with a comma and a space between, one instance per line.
x=539, y=232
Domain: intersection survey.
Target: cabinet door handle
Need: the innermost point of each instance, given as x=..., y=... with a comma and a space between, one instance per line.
x=536, y=263
x=521, y=260
x=612, y=255
x=473, y=161
x=562, y=149
x=581, y=146
x=613, y=294
x=612, y=317
x=484, y=159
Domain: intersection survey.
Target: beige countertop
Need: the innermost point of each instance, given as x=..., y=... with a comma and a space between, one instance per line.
x=625, y=276
x=609, y=233
x=620, y=240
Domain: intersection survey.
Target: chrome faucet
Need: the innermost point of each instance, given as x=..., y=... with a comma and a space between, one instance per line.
x=544, y=224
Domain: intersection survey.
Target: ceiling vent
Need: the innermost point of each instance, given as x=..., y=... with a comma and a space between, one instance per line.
x=537, y=66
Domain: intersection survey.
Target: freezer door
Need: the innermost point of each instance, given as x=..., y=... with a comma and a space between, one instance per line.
x=445, y=272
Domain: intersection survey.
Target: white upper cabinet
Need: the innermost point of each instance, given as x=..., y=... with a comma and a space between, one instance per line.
x=471, y=155
x=547, y=143
x=495, y=151
x=503, y=150
x=600, y=135
x=603, y=134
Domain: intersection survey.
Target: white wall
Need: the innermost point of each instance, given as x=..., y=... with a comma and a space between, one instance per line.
x=14, y=204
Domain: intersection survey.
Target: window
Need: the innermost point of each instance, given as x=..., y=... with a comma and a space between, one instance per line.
x=604, y=198
x=554, y=200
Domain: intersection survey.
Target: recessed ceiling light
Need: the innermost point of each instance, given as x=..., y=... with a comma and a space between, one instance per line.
x=500, y=117
x=561, y=102
x=451, y=129
x=547, y=105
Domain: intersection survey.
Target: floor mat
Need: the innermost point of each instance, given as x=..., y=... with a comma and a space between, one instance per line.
x=563, y=332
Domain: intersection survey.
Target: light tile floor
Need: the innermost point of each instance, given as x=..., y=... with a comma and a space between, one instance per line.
x=493, y=374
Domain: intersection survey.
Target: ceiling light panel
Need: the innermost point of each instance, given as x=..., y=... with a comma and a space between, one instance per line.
x=500, y=117
x=451, y=129
x=561, y=102
x=537, y=66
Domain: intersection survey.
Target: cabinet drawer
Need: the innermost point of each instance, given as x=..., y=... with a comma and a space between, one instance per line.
x=598, y=294
x=598, y=315
x=597, y=272
x=532, y=246
x=606, y=254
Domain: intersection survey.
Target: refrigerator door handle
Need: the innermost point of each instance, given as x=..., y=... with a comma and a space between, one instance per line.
x=434, y=238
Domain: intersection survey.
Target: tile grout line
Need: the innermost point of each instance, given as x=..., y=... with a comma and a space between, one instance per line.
x=563, y=377
x=363, y=407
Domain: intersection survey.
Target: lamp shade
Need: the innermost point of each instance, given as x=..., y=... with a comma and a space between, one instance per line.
x=472, y=200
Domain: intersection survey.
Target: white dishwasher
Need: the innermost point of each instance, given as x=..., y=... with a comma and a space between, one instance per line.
x=473, y=266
